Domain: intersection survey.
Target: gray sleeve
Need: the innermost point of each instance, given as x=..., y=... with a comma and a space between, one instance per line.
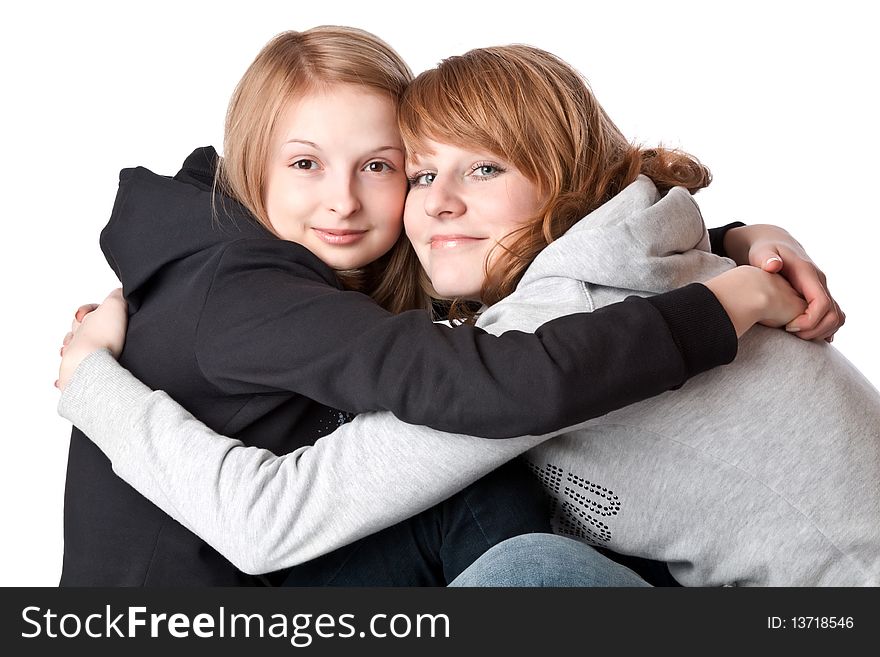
x=265, y=512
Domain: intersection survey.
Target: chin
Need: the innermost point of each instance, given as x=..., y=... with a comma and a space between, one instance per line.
x=348, y=266
x=452, y=290
x=347, y=261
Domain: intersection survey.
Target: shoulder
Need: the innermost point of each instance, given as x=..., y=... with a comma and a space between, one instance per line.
x=273, y=258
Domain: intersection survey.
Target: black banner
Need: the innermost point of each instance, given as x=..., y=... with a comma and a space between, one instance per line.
x=432, y=621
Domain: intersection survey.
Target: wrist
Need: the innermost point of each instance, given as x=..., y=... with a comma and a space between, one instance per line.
x=738, y=242
x=741, y=242
x=75, y=354
x=741, y=299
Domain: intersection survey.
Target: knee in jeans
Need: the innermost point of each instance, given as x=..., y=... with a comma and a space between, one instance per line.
x=546, y=560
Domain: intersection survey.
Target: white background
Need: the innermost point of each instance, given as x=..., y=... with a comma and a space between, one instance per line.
x=778, y=98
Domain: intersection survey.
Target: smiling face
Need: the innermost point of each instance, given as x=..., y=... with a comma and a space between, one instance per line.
x=335, y=179
x=460, y=205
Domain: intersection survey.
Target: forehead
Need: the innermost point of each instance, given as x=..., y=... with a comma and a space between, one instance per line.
x=339, y=114
x=431, y=150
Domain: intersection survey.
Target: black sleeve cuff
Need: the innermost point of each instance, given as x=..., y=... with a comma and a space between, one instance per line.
x=716, y=237
x=700, y=327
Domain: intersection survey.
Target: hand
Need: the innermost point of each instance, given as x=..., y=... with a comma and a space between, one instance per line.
x=94, y=327
x=774, y=250
x=752, y=296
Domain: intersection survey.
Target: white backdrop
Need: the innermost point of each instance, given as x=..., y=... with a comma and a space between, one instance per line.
x=779, y=99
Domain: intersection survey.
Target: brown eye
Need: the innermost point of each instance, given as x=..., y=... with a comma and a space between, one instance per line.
x=305, y=165
x=378, y=167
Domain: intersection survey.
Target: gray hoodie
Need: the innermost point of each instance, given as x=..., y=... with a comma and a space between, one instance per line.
x=763, y=472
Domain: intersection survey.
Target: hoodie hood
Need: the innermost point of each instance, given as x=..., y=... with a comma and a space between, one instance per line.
x=639, y=241
x=157, y=220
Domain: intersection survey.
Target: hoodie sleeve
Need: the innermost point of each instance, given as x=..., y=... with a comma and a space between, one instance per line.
x=261, y=511
x=272, y=322
x=716, y=237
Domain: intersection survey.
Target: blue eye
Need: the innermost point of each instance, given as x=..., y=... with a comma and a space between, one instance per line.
x=486, y=170
x=305, y=164
x=422, y=179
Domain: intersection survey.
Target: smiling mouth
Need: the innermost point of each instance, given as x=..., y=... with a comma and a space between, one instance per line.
x=339, y=237
x=453, y=241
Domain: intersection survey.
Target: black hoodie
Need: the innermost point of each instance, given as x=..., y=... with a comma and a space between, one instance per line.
x=255, y=336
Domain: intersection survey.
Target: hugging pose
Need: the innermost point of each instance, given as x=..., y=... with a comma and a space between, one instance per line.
x=273, y=294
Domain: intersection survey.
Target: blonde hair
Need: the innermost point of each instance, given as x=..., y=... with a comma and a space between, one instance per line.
x=296, y=63
x=532, y=109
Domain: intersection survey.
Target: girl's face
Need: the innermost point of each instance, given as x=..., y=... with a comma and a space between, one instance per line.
x=460, y=205
x=335, y=179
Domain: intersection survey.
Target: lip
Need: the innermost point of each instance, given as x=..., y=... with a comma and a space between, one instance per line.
x=453, y=241
x=339, y=237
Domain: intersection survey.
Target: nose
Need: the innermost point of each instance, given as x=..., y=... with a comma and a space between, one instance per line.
x=342, y=196
x=443, y=200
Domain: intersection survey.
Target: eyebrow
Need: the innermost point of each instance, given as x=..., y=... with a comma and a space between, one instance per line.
x=413, y=156
x=315, y=146
x=302, y=141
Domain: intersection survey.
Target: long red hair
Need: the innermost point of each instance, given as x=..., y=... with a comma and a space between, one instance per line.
x=532, y=109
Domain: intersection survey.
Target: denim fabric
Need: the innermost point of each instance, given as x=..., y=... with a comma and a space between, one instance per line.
x=435, y=546
x=545, y=560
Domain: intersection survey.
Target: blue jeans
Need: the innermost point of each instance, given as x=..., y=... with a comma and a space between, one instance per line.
x=437, y=545
x=545, y=560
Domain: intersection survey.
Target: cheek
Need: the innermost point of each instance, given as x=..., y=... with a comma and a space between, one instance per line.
x=388, y=204
x=414, y=226
x=477, y=261
x=413, y=218
x=521, y=204
x=285, y=199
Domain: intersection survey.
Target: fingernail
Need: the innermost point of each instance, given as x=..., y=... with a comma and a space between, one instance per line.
x=792, y=329
x=772, y=258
